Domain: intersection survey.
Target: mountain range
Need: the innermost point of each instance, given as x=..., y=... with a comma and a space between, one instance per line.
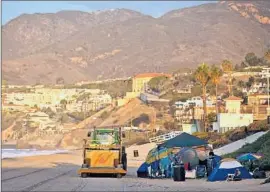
x=77, y=46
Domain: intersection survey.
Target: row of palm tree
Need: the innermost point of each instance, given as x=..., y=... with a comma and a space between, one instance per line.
x=205, y=74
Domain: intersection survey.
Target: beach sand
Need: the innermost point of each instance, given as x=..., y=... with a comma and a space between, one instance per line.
x=58, y=172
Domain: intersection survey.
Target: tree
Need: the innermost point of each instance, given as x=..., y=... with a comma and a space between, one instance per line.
x=238, y=93
x=202, y=76
x=227, y=68
x=104, y=115
x=267, y=55
x=237, y=67
x=241, y=84
x=63, y=102
x=243, y=65
x=211, y=117
x=156, y=83
x=215, y=77
x=169, y=125
x=251, y=80
x=252, y=59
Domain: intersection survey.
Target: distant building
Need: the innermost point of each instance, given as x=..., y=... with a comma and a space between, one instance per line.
x=260, y=99
x=189, y=128
x=139, y=82
x=194, y=101
x=233, y=104
x=232, y=118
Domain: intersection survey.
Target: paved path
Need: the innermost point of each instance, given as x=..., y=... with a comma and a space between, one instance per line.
x=238, y=144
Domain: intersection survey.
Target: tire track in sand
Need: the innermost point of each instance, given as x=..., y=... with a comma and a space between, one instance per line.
x=23, y=175
x=45, y=181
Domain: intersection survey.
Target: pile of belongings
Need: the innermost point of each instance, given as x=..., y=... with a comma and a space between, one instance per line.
x=160, y=161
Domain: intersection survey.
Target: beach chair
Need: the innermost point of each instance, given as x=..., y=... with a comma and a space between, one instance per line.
x=201, y=171
x=230, y=177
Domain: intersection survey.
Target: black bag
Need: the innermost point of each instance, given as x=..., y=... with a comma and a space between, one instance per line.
x=176, y=173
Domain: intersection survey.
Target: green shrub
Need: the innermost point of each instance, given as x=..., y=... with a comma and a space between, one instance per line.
x=104, y=115
x=219, y=140
x=262, y=145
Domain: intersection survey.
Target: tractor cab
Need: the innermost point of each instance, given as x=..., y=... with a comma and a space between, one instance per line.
x=104, y=153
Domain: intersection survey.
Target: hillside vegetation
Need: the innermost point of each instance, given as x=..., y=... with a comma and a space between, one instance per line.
x=221, y=139
x=262, y=145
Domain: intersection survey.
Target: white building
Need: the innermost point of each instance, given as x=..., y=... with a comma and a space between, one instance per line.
x=232, y=118
x=228, y=121
x=196, y=101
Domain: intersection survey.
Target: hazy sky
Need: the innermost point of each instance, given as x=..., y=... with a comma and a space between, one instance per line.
x=12, y=9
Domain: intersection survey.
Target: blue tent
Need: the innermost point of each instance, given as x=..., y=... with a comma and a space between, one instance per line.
x=228, y=166
x=143, y=170
x=216, y=160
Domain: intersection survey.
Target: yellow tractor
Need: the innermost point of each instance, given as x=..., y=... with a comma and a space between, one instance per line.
x=103, y=153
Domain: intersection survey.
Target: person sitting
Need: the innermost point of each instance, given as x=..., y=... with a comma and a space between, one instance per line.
x=237, y=175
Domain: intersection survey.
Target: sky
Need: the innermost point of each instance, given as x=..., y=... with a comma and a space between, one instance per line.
x=12, y=9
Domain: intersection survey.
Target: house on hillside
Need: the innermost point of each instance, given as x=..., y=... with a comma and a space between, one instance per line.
x=139, y=85
x=12, y=107
x=192, y=109
x=256, y=88
x=232, y=118
x=139, y=82
x=258, y=104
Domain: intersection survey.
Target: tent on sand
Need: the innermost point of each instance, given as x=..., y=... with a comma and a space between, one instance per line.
x=228, y=166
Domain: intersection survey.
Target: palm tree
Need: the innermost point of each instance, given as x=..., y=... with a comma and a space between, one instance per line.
x=202, y=76
x=241, y=84
x=227, y=68
x=215, y=77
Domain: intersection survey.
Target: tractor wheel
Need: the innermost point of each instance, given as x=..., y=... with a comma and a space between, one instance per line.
x=84, y=175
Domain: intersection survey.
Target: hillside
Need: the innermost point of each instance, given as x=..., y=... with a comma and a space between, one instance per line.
x=40, y=48
x=259, y=146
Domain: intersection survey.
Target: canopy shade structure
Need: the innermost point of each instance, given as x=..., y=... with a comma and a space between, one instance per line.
x=184, y=140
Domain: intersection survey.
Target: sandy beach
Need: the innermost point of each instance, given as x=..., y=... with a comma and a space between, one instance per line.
x=58, y=172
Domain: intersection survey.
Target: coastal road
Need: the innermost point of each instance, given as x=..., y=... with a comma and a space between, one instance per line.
x=59, y=173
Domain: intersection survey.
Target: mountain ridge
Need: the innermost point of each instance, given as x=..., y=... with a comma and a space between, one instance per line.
x=124, y=42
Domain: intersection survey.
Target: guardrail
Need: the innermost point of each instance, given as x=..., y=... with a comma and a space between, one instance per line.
x=161, y=138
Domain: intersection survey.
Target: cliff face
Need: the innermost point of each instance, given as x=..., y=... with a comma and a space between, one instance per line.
x=40, y=48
